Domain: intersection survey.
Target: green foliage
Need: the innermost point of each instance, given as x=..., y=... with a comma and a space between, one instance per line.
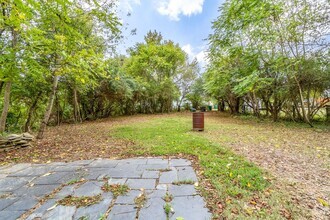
x=271, y=53
x=154, y=64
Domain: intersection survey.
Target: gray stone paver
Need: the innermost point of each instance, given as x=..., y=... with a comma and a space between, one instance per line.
x=169, y=176
x=186, y=173
x=60, y=213
x=189, y=207
x=179, y=162
x=35, y=191
x=128, y=198
x=121, y=212
x=22, y=186
x=121, y=181
x=23, y=204
x=141, y=183
x=92, y=188
x=182, y=190
x=4, y=203
x=93, y=212
x=150, y=174
x=10, y=215
x=154, y=209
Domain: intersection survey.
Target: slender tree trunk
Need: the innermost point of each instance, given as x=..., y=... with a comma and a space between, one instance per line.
x=49, y=109
x=6, y=101
x=58, y=110
x=1, y=85
x=301, y=99
x=221, y=105
x=5, y=109
x=77, y=115
x=30, y=113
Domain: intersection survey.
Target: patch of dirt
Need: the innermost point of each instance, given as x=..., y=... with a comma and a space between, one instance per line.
x=71, y=142
x=298, y=157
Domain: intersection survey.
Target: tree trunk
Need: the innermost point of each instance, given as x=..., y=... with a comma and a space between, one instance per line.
x=30, y=113
x=1, y=85
x=77, y=115
x=221, y=105
x=49, y=109
x=301, y=99
x=5, y=109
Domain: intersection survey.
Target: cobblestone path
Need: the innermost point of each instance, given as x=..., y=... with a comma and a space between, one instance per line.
x=32, y=191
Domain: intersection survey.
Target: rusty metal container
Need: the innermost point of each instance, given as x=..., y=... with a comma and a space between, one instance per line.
x=198, y=121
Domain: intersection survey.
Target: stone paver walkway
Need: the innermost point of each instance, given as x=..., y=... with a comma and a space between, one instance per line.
x=24, y=189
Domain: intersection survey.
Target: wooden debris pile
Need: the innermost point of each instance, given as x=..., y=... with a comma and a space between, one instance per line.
x=15, y=141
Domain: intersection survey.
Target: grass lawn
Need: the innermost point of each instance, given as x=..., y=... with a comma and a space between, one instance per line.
x=247, y=168
x=233, y=186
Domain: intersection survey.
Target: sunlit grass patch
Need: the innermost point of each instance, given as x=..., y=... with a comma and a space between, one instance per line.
x=236, y=181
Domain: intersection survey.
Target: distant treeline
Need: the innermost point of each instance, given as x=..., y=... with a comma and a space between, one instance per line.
x=55, y=66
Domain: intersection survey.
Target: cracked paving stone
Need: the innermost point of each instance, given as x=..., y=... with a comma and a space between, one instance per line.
x=128, y=198
x=120, y=181
x=40, y=211
x=23, y=204
x=96, y=211
x=14, y=168
x=186, y=173
x=10, y=215
x=92, y=188
x=150, y=174
x=37, y=191
x=133, y=161
x=50, y=179
x=102, y=163
x=122, y=212
x=182, y=190
x=71, y=176
x=9, y=184
x=96, y=173
x=157, y=161
x=67, y=168
x=169, y=176
x=152, y=167
x=4, y=203
x=33, y=171
x=141, y=183
x=65, y=191
x=153, y=209
x=158, y=193
x=60, y=212
x=190, y=207
x=80, y=162
x=124, y=172
x=179, y=162
x=162, y=186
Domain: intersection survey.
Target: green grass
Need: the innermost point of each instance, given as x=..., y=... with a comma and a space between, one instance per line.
x=235, y=180
x=173, y=136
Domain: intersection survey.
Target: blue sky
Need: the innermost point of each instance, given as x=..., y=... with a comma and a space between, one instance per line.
x=186, y=22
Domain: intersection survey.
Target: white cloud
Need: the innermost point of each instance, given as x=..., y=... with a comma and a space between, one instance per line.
x=126, y=5
x=200, y=56
x=173, y=8
x=189, y=50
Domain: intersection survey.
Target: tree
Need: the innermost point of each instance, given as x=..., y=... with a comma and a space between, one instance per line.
x=154, y=64
x=269, y=51
x=185, y=79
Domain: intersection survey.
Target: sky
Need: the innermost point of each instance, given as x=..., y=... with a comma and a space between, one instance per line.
x=186, y=22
